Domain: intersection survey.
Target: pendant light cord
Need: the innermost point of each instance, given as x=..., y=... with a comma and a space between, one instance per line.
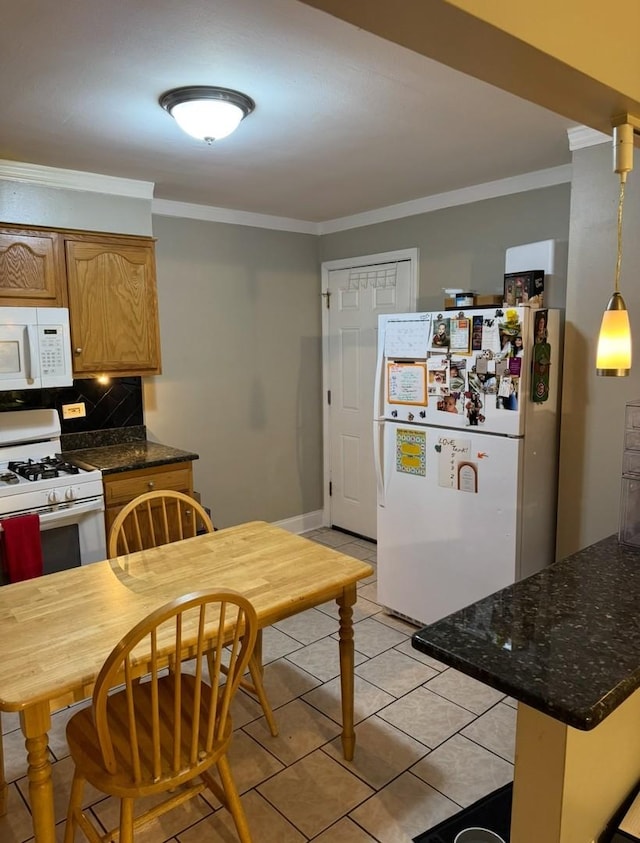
x=619, y=254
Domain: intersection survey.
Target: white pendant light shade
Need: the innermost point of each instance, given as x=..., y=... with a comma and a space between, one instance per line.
x=205, y=113
x=614, y=342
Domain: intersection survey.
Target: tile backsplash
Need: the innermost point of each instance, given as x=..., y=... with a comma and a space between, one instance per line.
x=116, y=404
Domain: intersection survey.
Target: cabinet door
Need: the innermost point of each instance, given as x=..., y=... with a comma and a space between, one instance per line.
x=31, y=269
x=121, y=488
x=113, y=308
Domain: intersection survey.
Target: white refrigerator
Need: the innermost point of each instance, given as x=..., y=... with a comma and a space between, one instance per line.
x=466, y=449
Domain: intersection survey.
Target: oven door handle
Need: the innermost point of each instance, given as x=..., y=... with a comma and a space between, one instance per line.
x=66, y=515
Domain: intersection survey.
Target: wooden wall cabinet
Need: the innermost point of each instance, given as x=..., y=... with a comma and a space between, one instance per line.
x=32, y=272
x=124, y=486
x=112, y=306
x=108, y=282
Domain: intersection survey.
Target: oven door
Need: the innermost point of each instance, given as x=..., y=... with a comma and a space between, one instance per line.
x=73, y=535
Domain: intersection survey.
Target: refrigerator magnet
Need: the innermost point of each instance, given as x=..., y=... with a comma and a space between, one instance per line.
x=460, y=334
x=476, y=333
x=457, y=376
x=411, y=452
x=474, y=409
x=407, y=383
x=438, y=375
x=441, y=337
x=467, y=476
x=541, y=358
x=448, y=404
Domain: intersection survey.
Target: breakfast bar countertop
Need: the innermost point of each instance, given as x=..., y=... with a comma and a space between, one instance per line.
x=565, y=641
x=128, y=456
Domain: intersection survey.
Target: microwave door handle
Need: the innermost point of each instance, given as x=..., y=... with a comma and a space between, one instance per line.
x=32, y=363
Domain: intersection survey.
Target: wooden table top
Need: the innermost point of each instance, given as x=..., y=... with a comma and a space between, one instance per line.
x=57, y=630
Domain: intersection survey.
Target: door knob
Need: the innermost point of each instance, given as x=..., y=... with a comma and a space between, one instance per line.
x=78, y=351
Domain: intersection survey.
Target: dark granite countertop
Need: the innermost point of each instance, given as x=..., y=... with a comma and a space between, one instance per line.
x=128, y=456
x=565, y=641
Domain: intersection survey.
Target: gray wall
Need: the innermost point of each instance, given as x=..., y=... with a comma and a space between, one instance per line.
x=463, y=247
x=57, y=207
x=240, y=323
x=241, y=336
x=241, y=347
x=593, y=407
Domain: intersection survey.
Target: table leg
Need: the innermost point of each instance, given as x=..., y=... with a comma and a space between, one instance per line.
x=35, y=722
x=3, y=781
x=345, y=603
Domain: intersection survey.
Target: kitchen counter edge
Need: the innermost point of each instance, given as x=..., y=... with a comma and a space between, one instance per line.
x=565, y=641
x=113, y=459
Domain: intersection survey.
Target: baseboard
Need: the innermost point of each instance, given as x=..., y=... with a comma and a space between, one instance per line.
x=302, y=523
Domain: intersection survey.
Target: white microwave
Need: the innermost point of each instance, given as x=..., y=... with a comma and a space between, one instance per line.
x=35, y=348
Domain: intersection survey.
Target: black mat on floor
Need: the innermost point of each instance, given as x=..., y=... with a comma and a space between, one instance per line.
x=492, y=812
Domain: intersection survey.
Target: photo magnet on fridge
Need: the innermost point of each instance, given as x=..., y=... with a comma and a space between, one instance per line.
x=541, y=359
x=476, y=333
x=441, y=336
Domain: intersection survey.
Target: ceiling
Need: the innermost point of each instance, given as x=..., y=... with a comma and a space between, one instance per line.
x=345, y=122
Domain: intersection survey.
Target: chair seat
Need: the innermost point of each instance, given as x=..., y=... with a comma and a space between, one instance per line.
x=84, y=746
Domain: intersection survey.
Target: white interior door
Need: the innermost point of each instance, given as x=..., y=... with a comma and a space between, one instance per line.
x=357, y=292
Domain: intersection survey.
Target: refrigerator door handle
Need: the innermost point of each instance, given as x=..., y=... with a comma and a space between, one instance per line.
x=378, y=437
x=377, y=385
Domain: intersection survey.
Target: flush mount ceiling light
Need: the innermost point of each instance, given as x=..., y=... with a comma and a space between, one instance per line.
x=614, y=342
x=207, y=113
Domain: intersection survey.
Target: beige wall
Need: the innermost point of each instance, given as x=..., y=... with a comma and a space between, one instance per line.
x=464, y=246
x=593, y=407
x=241, y=347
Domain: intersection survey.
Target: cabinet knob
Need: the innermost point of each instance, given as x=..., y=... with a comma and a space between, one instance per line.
x=188, y=512
x=78, y=351
x=151, y=484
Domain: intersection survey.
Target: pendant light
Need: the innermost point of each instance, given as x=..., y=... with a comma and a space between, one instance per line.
x=614, y=342
x=207, y=113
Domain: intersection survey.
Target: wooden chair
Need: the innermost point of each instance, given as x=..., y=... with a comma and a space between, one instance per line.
x=162, y=517
x=156, y=518
x=164, y=733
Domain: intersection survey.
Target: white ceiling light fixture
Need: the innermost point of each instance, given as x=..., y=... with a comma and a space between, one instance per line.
x=207, y=113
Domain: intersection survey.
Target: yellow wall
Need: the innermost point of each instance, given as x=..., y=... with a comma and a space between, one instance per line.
x=578, y=58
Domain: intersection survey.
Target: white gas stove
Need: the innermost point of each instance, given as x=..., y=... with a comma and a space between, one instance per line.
x=35, y=478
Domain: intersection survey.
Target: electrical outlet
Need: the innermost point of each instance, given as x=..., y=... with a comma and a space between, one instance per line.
x=74, y=411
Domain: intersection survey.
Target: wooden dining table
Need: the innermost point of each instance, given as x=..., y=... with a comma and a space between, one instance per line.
x=56, y=631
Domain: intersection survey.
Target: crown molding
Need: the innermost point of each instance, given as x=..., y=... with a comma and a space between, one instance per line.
x=74, y=180
x=464, y=196
x=583, y=136
x=208, y=213
x=97, y=183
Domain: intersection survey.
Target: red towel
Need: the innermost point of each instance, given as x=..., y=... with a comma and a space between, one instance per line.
x=21, y=547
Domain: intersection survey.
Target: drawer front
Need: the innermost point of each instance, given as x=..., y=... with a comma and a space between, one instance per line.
x=125, y=487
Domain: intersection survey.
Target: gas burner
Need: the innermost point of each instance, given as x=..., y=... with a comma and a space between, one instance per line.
x=42, y=469
x=9, y=477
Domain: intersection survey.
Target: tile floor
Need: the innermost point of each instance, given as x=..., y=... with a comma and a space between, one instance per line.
x=430, y=740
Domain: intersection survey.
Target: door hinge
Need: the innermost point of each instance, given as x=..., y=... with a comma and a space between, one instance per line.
x=330, y=488
x=327, y=297
x=328, y=396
